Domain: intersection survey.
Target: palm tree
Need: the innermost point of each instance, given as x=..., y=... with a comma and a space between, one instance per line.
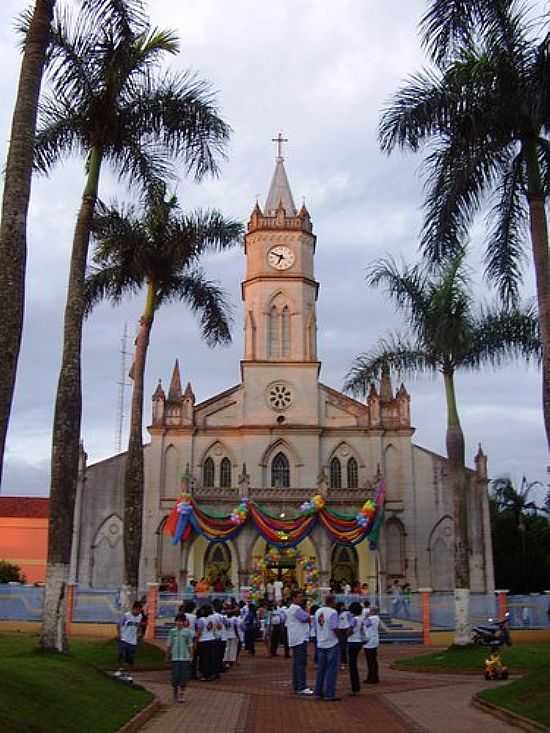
x=109, y=103
x=515, y=503
x=159, y=251
x=446, y=334
x=15, y=205
x=483, y=116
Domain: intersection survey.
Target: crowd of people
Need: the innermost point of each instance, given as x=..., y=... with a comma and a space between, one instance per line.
x=207, y=641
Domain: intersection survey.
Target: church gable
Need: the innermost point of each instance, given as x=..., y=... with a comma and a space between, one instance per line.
x=339, y=410
x=222, y=409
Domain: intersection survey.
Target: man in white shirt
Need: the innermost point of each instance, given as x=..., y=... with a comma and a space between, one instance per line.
x=278, y=590
x=328, y=650
x=372, y=624
x=297, y=624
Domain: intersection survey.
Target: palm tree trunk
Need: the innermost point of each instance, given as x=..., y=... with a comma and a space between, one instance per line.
x=459, y=484
x=539, y=241
x=15, y=204
x=133, y=478
x=66, y=426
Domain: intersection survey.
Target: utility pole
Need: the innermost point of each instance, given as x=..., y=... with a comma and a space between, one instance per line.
x=122, y=384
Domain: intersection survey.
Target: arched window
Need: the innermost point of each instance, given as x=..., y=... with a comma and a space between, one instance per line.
x=335, y=474
x=225, y=473
x=208, y=472
x=280, y=471
x=274, y=335
x=353, y=474
x=285, y=324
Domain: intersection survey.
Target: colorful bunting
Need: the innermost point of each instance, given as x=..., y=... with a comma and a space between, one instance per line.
x=282, y=533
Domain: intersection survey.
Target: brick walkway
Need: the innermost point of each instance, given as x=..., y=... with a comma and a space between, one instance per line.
x=256, y=698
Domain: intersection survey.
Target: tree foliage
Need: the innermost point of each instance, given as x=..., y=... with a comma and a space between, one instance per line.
x=481, y=116
x=521, y=537
x=10, y=573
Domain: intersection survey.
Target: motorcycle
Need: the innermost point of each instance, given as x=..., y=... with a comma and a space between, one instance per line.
x=494, y=636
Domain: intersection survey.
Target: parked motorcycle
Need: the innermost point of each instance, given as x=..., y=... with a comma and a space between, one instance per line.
x=495, y=635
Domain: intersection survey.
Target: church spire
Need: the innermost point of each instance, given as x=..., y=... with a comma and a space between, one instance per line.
x=174, y=394
x=279, y=194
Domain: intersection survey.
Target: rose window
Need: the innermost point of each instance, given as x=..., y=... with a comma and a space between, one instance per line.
x=279, y=396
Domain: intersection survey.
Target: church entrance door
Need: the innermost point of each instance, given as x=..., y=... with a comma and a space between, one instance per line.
x=345, y=565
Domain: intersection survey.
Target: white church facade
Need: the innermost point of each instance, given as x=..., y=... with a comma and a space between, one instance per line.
x=279, y=437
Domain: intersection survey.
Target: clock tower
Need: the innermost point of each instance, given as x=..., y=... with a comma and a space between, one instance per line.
x=279, y=294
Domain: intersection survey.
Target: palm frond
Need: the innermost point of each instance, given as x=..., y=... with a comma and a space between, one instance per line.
x=142, y=162
x=105, y=283
x=457, y=178
x=61, y=132
x=206, y=299
x=393, y=352
x=504, y=255
x=180, y=112
x=209, y=230
x=406, y=288
x=417, y=111
x=449, y=25
x=69, y=55
x=127, y=18
x=452, y=25
x=499, y=335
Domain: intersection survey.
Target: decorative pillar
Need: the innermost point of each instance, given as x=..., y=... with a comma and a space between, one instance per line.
x=152, y=610
x=426, y=616
x=69, y=613
x=502, y=602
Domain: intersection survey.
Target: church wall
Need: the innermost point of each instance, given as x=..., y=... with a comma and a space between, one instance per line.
x=102, y=497
x=302, y=381
x=433, y=504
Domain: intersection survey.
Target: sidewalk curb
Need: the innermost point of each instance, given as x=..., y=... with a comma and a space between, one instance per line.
x=508, y=716
x=138, y=721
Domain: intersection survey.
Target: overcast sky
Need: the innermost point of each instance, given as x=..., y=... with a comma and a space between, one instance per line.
x=320, y=71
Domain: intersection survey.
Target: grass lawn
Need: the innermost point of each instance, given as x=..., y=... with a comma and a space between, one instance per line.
x=470, y=659
x=44, y=692
x=528, y=696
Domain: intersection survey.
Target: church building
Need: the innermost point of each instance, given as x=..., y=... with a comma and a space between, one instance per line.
x=279, y=437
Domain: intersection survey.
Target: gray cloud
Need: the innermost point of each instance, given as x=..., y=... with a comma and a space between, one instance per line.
x=322, y=72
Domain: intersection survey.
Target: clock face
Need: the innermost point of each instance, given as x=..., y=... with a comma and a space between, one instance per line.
x=281, y=257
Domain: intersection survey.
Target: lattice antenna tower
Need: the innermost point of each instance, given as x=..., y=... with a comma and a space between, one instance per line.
x=122, y=384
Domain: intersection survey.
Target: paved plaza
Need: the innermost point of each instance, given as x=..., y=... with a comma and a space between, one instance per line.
x=256, y=698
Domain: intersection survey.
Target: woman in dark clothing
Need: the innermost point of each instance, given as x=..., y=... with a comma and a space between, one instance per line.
x=249, y=626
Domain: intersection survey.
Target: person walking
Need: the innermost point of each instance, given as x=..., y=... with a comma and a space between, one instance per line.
x=297, y=625
x=355, y=640
x=249, y=627
x=313, y=633
x=206, y=642
x=341, y=633
x=230, y=622
x=276, y=623
x=189, y=608
x=328, y=650
x=179, y=652
x=371, y=645
x=128, y=629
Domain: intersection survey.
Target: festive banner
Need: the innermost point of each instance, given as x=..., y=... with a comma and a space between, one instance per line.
x=283, y=533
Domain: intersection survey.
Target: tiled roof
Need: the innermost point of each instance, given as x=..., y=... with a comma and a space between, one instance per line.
x=33, y=507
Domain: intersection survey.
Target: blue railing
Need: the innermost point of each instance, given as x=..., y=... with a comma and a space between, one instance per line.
x=92, y=605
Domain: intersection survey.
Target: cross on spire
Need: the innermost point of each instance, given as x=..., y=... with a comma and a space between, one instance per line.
x=279, y=140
